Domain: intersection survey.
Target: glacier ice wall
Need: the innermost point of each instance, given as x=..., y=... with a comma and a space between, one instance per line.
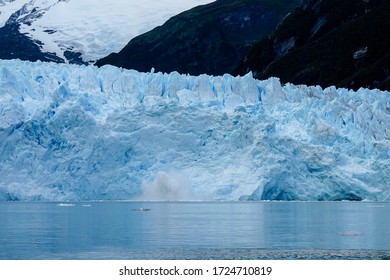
x=80, y=132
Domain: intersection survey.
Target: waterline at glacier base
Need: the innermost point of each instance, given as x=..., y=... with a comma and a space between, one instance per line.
x=85, y=133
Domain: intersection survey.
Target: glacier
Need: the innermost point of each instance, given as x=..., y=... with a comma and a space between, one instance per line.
x=94, y=29
x=72, y=132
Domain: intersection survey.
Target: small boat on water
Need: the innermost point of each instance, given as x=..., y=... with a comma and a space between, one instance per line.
x=141, y=209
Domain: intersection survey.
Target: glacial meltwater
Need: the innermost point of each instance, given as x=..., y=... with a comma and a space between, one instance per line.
x=194, y=230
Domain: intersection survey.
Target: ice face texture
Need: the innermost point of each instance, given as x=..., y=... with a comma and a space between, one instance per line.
x=80, y=132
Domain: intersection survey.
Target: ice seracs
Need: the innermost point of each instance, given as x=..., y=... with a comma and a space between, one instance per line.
x=82, y=132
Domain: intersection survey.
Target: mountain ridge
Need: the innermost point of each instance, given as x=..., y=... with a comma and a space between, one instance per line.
x=316, y=42
x=79, y=31
x=210, y=39
x=342, y=43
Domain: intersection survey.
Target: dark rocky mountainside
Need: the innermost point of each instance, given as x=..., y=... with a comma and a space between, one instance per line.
x=315, y=42
x=210, y=39
x=15, y=45
x=328, y=42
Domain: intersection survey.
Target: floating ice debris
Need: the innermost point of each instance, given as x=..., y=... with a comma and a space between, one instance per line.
x=65, y=205
x=351, y=233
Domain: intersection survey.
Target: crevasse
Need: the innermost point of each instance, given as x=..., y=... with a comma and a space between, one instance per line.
x=85, y=133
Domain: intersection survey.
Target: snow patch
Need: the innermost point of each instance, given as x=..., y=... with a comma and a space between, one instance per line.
x=95, y=29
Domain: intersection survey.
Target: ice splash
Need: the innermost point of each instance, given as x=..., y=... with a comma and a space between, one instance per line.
x=166, y=186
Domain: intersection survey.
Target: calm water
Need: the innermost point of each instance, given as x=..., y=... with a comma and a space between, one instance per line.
x=195, y=230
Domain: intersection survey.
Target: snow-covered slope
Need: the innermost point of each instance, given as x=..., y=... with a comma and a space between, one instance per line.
x=81, y=132
x=93, y=28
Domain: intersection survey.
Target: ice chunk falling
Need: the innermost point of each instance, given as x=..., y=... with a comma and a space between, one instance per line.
x=83, y=133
